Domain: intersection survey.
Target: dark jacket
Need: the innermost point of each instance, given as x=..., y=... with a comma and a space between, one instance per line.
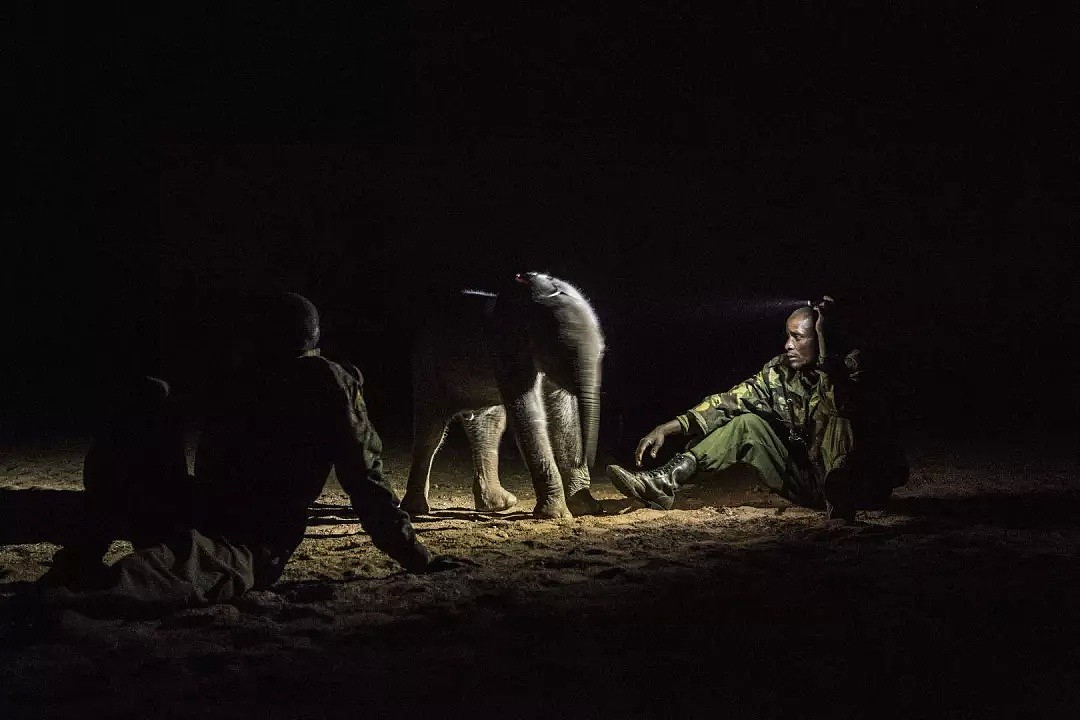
x=269, y=442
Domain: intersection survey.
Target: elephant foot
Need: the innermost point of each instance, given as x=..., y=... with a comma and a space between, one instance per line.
x=583, y=503
x=415, y=505
x=552, y=510
x=494, y=500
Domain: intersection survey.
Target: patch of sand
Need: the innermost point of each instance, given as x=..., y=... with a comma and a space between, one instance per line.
x=958, y=601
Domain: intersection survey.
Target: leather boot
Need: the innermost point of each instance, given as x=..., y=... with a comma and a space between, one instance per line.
x=655, y=488
x=839, y=496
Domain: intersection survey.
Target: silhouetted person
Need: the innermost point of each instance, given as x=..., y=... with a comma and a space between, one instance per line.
x=136, y=483
x=810, y=423
x=282, y=416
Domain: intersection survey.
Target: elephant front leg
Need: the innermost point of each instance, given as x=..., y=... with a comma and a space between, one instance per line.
x=527, y=418
x=484, y=429
x=429, y=431
x=564, y=430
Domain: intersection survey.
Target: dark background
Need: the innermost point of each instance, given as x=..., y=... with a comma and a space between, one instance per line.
x=687, y=166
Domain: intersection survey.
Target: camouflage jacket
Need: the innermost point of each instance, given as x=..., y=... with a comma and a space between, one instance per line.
x=817, y=412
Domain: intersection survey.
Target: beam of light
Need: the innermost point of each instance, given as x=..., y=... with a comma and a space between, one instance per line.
x=750, y=307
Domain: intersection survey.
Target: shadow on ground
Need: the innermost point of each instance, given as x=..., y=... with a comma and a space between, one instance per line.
x=881, y=625
x=36, y=515
x=1042, y=510
x=33, y=516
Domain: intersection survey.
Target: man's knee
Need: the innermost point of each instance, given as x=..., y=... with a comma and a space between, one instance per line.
x=748, y=420
x=747, y=425
x=740, y=430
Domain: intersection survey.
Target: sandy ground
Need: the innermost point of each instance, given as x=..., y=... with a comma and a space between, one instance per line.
x=960, y=601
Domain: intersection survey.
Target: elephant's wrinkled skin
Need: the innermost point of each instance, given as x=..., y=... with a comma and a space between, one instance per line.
x=531, y=356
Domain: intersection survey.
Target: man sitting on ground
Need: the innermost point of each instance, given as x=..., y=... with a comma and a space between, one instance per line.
x=808, y=422
x=282, y=418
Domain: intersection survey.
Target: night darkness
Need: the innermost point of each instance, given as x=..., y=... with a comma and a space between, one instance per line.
x=681, y=167
x=695, y=168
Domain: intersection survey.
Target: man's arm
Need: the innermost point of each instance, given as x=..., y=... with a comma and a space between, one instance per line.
x=358, y=463
x=711, y=413
x=843, y=372
x=652, y=442
x=750, y=396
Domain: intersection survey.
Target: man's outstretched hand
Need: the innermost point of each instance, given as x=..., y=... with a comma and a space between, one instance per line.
x=652, y=442
x=440, y=563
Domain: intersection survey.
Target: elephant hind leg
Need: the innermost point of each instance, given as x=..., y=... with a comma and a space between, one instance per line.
x=429, y=432
x=564, y=430
x=484, y=428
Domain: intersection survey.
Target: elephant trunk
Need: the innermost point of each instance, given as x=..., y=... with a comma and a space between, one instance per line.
x=588, y=400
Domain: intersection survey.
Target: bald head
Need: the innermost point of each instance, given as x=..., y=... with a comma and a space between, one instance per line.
x=803, y=314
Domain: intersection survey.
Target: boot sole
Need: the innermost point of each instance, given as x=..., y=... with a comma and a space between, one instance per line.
x=632, y=493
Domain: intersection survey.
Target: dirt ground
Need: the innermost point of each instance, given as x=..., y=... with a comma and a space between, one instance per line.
x=960, y=601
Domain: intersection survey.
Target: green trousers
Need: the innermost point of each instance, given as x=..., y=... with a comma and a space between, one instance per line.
x=749, y=439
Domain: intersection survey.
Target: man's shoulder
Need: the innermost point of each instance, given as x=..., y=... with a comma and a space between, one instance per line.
x=324, y=371
x=775, y=372
x=769, y=373
x=772, y=363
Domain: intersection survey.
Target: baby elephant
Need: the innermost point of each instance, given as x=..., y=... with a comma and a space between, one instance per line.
x=530, y=355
